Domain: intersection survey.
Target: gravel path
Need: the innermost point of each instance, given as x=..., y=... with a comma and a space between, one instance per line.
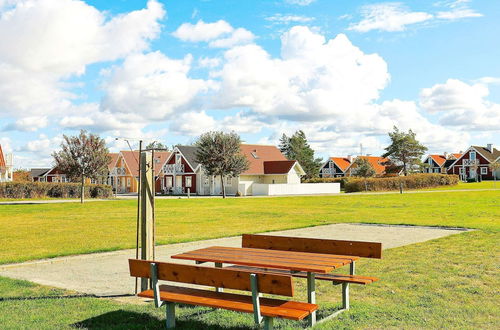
x=107, y=273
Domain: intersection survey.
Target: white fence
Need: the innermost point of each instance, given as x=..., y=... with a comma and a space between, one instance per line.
x=260, y=189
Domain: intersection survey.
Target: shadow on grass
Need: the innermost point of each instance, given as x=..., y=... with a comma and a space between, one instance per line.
x=121, y=319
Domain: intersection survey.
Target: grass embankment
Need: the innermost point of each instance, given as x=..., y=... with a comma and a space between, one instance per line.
x=450, y=282
x=30, y=232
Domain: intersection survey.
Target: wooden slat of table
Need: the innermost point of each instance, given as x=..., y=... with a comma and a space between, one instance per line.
x=269, y=257
x=288, y=254
x=248, y=257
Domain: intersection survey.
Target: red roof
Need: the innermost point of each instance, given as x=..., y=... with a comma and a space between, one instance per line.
x=258, y=154
x=2, y=159
x=278, y=166
x=132, y=160
x=457, y=156
x=439, y=159
x=377, y=163
x=342, y=162
x=112, y=162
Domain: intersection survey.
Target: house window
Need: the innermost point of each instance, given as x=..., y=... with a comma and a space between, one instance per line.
x=484, y=170
x=436, y=170
x=169, y=182
x=254, y=154
x=178, y=159
x=462, y=170
x=472, y=155
x=188, y=182
x=128, y=182
x=229, y=181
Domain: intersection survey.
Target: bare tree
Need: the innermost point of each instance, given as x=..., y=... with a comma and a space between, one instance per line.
x=83, y=156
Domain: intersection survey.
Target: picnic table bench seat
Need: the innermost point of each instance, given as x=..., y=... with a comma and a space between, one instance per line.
x=292, y=310
x=263, y=309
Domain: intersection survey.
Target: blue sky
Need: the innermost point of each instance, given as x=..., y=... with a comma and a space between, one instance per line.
x=343, y=71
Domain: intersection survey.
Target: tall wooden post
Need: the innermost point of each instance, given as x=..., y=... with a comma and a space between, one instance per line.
x=146, y=210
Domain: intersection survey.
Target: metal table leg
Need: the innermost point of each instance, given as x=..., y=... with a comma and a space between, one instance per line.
x=311, y=296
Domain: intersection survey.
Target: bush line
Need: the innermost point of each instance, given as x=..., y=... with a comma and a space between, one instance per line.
x=53, y=190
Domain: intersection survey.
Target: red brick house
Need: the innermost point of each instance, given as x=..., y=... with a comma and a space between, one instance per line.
x=474, y=163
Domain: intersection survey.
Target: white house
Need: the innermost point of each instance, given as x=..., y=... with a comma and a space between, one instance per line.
x=183, y=174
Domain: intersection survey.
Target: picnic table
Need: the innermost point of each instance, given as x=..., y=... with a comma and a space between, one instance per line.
x=293, y=262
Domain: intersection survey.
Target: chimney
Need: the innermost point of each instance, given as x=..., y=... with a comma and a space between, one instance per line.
x=489, y=146
x=445, y=155
x=350, y=158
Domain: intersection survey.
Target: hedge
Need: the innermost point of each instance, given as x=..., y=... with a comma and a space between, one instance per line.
x=341, y=180
x=52, y=189
x=414, y=181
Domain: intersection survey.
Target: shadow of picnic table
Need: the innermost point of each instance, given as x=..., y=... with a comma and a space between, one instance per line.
x=121, y=319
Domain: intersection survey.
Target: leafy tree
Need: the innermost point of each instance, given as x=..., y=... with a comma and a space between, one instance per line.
x=297, y=148
x=363, y=169
x=157, y=145
x=494, y=167
x=220, y=155
x=404, y=149
x=83, y=156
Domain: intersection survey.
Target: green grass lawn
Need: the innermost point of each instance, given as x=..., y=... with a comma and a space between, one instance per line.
x=470, y=186
x=30, y=232
x=451, y=282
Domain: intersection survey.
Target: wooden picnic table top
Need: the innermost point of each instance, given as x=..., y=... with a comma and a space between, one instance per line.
x=289, y=260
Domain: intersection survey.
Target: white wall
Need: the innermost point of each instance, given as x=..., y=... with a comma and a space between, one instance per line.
x=259, y=189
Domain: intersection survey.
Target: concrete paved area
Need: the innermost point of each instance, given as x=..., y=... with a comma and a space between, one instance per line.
x=107, y=273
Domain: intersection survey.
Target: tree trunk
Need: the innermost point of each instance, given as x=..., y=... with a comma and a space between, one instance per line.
x=82, y=190
x=222, y=186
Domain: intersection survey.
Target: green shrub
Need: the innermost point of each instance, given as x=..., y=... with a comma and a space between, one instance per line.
x=341, y=180
x=415, y=181
x=52, y=189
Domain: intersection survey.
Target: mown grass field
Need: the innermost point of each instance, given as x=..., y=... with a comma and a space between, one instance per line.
x=451, y=282
x=30, y=232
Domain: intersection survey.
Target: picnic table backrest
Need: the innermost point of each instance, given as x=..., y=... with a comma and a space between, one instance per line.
x=313, y=245
x=216, y=277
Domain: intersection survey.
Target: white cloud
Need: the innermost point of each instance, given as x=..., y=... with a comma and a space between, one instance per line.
x=27, y=124
x=457, y=9
x=286, y=19
x=44, y=42
x=219, y=34
x=461, y=104
x=313, y=78
x=239, y=36
x=388, y=16
x=458, y=14
x=202, y=31
x=209, y=62
x=152, y=86
x=193, y=123
x=300, y=2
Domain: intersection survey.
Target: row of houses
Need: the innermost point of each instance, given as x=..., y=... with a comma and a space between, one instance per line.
x=178, y=172
x=336, y=167
x=469, y=165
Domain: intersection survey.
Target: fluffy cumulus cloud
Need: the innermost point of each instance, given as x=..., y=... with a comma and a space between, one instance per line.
x=300, y=2
x=312, y=79
x=193, y=123
x=219, y=34
x=460, y=104
x=44, y=42
x=390, y=16
x=152, y=86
